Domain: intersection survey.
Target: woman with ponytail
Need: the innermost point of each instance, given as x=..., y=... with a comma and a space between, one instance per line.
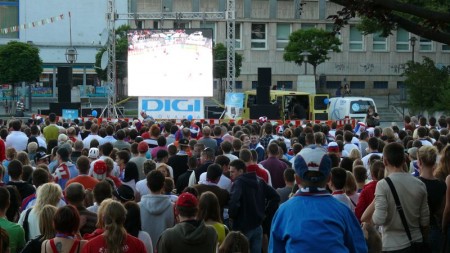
x=115, y=238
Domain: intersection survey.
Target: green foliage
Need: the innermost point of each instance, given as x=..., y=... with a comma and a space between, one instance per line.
x=121, y=55
x=428, y=87
x=19, y=62
x=220, y=61
x=317, y=42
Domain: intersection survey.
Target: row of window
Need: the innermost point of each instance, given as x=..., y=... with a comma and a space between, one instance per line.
x=332, y=85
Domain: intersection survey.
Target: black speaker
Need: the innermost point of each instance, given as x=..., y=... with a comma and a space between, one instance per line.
x=264, y=76
x=64, y=94
x=263, y=95
x=270, y=111
x=64, y=77
x=58, y=107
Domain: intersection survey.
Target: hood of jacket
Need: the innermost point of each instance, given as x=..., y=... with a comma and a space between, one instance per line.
x=193, y=232
x=249, y=179
x=155, y=204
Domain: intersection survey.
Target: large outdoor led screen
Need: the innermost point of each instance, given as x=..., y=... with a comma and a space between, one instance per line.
x=170, y=63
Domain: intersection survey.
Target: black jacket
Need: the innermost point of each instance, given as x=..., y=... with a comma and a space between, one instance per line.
x=251, y=200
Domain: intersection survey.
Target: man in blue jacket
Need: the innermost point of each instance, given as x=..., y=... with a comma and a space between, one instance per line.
x=251, y=201
x=312, y=220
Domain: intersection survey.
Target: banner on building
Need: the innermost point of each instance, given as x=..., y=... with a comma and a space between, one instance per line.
x=234, y=105
x=172, y=108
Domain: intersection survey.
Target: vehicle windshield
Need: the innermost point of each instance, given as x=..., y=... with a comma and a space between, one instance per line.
x=360, y=106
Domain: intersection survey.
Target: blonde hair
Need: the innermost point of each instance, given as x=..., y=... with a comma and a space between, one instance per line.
x=389, y=133
x=165, y=167
x=22, y=156
x=11, y=153
x=109, y=164
x=115, y=233
x=47, y=194
x=350, y=184
x=427, y=155
x=100, y=212
x=443, y=167
x=46, y=221
x=32, y=147
x=354, y=154
x=357, y=162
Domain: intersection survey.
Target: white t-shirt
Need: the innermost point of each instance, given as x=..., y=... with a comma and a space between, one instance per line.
x=224, y=182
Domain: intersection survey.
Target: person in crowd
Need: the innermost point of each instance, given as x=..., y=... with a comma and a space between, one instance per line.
x=275, y=166
x=206, y=158
x=235, y=241
x=62, y=173
x=343, y=231
x=246, y=156
x=45, y=227
x=13, y=212
x=368, y=192
x=133, y=225
x=256, y=145
x=100, y=224
x=209, y=212
x=75, y=195
x=157, y=212
x=443, y=166
x=51, y=132
x=183, y=180
x=251, y=200
x=289, y=180
x=372, y=118
x=337, y=184
x=179, y=162
x=14, y=231
x=115, y=238
x=103, y=190
x=141, y=186
x=227, y=147
x=190, y=234
x=436, y=190
x=413, y=198
x=15, y=170
x=66, y=222
x=141, y=158
x=207, y=140
x=93, y=136
x=83, y=177
x=16, y=139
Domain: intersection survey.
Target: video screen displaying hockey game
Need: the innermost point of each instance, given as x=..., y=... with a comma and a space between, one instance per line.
x=170, y=63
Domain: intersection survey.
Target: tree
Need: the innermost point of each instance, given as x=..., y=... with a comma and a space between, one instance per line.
x=428, y=87
x=429, y=19
x=121, y=56
x=19, y=62
x=220, y=65
x=315, y=41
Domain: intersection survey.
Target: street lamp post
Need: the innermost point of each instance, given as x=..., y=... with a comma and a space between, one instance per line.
x=305, y=55
x=412, y=42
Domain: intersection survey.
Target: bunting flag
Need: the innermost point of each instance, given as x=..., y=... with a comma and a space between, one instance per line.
x=34, y=24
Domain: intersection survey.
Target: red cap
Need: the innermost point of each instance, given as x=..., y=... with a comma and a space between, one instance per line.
x=100, y=169
x=187, y=199
x=146, y=135
x=142, y=147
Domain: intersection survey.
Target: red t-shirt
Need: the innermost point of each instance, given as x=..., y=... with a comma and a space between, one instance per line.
x=87, y=181
x=98, y=245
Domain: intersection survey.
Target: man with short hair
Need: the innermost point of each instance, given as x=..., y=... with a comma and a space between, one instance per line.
x=109, y=135
x=15, y=232
x=206, y=159
x=348, y=145
x=93, y=136
x=16, y=138
x=274, y=166
x=246, y=156
x=251, y=201
x=15, y=173
x=190, y=235
x=373, y=144
x=156, y=208
x=315, y=213
x=141, y=158
x=62, y=173
x=83, y=177
x=102, y=190
x=289, y=179
x=207, y=140
x=51, y=132
x=141, y=185
x=265, y=139
x=120, y=143
x=179, y=162
x=227, y=147
x=75, y=196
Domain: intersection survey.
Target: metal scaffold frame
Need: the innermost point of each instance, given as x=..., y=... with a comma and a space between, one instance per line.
x=228, y=15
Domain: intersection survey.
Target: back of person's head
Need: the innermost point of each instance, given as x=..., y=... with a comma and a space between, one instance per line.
x=346, y=163
x=235, y=242
x=335, y=159
x=427, y=155
x=16, y=125
x=46, y=222
x=102, y=191
x=114, y=219
x=213, y=173
x=354, y=154
x=348, y=136
x=161, y=154
x=309, y=138
x=155, y=181
x=319, y=138
x=209, y=208
x=360, y=173
x=377, y=170
x=393, y=154
x=272, y=149
x=245, y=155
x=39, y=177
x=66, y=220
x=373, y=143
x=222, y=160
x=120, y=134
x=237, y=144
x=48, y=193
x=106, y=148
x=338, y=177
x=187, y=205
x=226, y=146
x=131, y=172
x=422, y=132
x=239, y=165
x=161, y=141
x=350, y=184
x=373, y=158
x=289, y=175
x=15, y=169
x=124, y=155
x=4, y=199
x=75, y=193
x=192, y=162
x=83, y=164
x=133, y=219
x=149, y=165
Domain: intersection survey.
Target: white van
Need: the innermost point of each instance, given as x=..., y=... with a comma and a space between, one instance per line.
x=349, y=107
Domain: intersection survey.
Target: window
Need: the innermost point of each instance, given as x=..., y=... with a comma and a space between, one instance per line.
x=446, y=48
x=329, y=28
x=357, y=85
x=333, y=84
x=284, y=85
x=210, y=25
x=182, y=24
x=238, y=85
x=307, y=26
x=425, y=44
x=283, y=32
x=9, y=13
x=254, y=85
x=237, y=36
x=356, y=39
x=380, y=85
x=402, y=41
x=379, y=42
x=259, y=38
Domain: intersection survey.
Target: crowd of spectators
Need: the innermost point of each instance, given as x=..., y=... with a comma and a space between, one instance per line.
x=147, y=186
